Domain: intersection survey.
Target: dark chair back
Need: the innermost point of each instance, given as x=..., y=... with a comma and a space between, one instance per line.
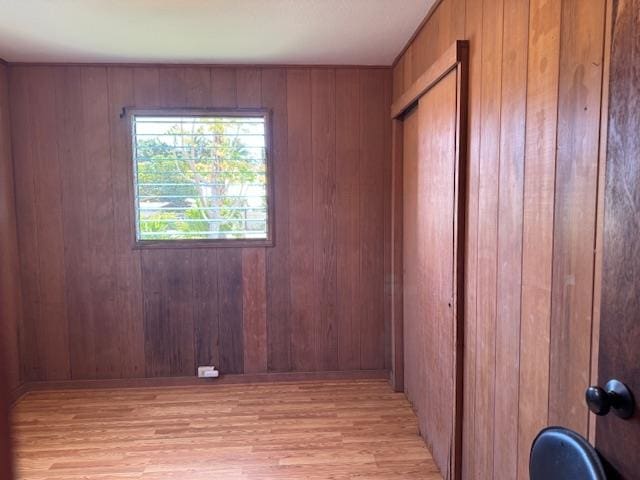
x=561, y=454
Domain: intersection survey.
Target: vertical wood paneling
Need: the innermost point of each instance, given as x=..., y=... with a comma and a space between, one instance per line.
x=254, y=308
x=101, y=220
x=410, y=248
x=168, y=311
x=408, y=76
x=473, y=27
x=347, y=219
x=510, y=195
x=179, y=295
x=79, y=302
x=535, y=98
x=130, y=334
x=539, y=183
x=581, y=61
x=206, y=321
x=129, y=325
x=398, y=78
x=52, y=336
x=274, y=97
x=446, y=24
x=197, y=86
x=488, y=171
x=374, y=126
x=386, y=221
x=323, y=153
x=162, y=312
x=249, y=87
x=397, y=267
x=223, y=87
x=301, y=276
x=230, y=298
x=146, y=86
x=25, y=207
x=10, y=289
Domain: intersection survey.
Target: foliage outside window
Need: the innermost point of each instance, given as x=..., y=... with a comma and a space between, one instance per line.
x=200, y=177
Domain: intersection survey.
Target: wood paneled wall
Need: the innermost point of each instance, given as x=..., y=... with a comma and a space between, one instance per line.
x=10, y=308
x=95, y=308
x=536, y=75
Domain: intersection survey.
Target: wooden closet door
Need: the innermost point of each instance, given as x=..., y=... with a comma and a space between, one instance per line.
x=429, y=211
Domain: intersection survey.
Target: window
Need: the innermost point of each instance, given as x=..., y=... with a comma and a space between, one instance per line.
x=201, y=177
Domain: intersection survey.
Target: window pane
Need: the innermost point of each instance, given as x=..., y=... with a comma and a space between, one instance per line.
x=200, y=178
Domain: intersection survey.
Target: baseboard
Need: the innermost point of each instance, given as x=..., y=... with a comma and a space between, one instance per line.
x=190, y=381
x=17, y=393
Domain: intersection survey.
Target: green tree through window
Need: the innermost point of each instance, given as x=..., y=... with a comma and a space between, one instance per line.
x=200, y=177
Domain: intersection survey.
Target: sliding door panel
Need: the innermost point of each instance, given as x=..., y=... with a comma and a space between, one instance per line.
x=429, y=213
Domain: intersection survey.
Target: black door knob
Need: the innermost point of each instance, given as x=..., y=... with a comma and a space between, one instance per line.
x=615, y=395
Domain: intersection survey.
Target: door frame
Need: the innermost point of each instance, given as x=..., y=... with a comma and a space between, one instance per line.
x=455, y=58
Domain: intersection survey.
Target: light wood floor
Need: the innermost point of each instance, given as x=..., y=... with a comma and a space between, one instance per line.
x=319, y=430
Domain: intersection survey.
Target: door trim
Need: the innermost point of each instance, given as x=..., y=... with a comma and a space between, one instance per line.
x=455, y=58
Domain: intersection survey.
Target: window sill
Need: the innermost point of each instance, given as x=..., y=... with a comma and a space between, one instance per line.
x=193, y=244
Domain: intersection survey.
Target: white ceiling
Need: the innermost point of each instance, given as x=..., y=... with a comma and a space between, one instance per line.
x=340, y=32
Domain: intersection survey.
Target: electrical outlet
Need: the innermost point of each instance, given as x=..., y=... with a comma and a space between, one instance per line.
x=208, y=372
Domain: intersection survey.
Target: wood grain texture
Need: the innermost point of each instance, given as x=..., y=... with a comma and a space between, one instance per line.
x=312, y=430
x=428, y=284
x=397, y=267
x=325, y=267
x=26, y=239
x=599, y=240
x=301, y=278
x=45, y=345
x=412, y=304
x=230, y=291
x=274, y=97
x=538, y=210
x=206, y=295
x=538, y=64
x=229, y=379
x=619, y=358
x=374, y=193
x=487, y=235
x=128, y=329
x=348, y=247
x=10, y=288
x=575, y=210
x=254, y=310
x=119, y=312
x=509, y=254
x=445, y=25
x=473, y=29
x=443, y=65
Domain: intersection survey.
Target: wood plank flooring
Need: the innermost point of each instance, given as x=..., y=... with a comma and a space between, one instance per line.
x=312, y=430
